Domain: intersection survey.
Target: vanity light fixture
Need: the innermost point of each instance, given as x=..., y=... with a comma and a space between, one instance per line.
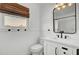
x=60, y=6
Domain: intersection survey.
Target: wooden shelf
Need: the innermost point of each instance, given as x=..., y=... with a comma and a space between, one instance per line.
x=15, y=9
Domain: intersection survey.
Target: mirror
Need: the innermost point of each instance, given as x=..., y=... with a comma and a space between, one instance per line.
x=65, y=19
x=15, y=21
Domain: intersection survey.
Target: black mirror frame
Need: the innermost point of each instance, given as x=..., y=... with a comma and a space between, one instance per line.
x=75, y=22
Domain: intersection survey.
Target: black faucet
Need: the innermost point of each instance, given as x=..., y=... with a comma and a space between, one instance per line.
x=61, y=33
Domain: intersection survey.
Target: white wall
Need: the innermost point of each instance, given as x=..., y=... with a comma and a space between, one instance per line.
x=19, y=42
x=47, y=19
x=47, y=23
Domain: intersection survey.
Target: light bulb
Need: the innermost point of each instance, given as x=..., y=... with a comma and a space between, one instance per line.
x=63, y=6
x=58, y=8
x=69, y=4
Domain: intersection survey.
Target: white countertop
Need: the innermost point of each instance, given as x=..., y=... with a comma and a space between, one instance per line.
x=69, y=42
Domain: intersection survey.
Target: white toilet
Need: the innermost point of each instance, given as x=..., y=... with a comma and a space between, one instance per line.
x=36, y=49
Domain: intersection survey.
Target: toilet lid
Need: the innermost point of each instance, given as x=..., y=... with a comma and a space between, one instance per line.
x=37, y=46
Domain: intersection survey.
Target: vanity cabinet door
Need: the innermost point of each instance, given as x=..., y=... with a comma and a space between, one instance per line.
x=64, y=50
x=50, y=48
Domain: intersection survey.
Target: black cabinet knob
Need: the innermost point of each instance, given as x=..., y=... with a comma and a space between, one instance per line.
x=64, y=52
x=9, y=29
x=24, y=29
x=48, y=29
x=18, y=29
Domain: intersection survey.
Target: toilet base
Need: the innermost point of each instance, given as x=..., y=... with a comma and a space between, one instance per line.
x=36, y=53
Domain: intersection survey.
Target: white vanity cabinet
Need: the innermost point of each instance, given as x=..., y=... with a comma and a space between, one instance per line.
x=52, y=48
